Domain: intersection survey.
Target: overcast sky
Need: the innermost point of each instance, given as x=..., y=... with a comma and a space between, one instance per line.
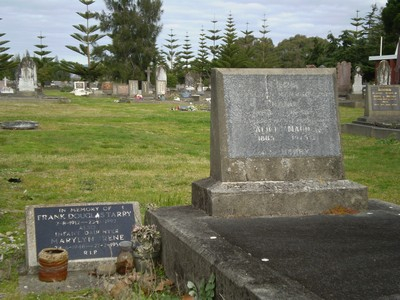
x=24, y=20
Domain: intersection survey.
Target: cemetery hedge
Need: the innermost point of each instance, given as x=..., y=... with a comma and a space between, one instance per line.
x=96, y=150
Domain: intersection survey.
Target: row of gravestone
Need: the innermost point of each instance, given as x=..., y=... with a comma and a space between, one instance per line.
x=27, y=80
x=345, y=84
x=275, y=150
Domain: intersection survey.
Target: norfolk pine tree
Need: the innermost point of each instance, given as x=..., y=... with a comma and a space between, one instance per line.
x=5, y=59
x=43, y=63
x=88, y=39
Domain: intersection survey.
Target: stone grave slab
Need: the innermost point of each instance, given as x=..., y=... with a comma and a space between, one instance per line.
x=275, y=145
x=90, y=232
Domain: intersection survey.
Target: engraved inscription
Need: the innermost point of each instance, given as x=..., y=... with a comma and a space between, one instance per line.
x=385, y=98
x=91, y=231
x=281, y=115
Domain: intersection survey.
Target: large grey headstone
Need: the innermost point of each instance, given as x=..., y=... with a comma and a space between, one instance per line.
x=275, y=145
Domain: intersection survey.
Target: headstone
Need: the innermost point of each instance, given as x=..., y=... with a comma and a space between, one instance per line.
x=200, y=88
x=133, y=88
x=383, y=105
x=121, y=90
x=4, y=88
x=161, y=81
x=383, y=73
x=344, y=78
x=81, y=89
x=148, y=73
x=357, y=82
x=91, y=233
x=275, y=145
x=26, y=75
x=145, y=88
x=107, y=87
x=79, y=85
x=189, y=82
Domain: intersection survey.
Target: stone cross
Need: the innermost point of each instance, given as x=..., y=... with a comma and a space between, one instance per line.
x=148, y=72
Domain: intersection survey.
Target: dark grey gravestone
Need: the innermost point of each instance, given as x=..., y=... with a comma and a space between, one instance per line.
x=383, y=103
x=275, y=145
x=90, y=232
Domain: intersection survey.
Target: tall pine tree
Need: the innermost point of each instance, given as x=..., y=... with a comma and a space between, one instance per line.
x=133, y=26
x=230, y=54
x=88, y=41
x=171, y=53
x=5, y=59
x=214, y=38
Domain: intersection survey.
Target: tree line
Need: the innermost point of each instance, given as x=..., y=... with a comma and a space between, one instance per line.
x=133, y=27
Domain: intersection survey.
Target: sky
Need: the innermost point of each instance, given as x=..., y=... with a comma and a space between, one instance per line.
x=24, y=20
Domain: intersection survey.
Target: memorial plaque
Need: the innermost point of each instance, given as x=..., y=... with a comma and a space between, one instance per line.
x=385, y=97
x=87, y=232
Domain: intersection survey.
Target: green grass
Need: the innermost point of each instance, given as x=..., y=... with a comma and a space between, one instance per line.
x=95, y=150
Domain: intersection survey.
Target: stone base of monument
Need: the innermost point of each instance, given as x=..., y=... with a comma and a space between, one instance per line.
x=276, y=198
x=353, y=100
x=27, y=94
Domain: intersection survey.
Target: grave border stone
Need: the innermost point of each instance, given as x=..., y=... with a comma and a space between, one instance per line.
x=76, y=264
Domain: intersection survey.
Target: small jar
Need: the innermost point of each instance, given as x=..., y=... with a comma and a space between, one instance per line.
x=125, y=261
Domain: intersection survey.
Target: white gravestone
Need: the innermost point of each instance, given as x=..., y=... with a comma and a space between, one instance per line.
x=27, y=76
x=161, y=81
x=357, y=84
x=383, y=77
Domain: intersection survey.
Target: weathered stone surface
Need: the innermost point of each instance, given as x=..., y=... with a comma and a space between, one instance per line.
x=275, y=129
x=261, y=116
x=289, y=198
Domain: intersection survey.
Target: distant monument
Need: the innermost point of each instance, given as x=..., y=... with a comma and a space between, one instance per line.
x=26, y=76
x=344, y=78
x=161, y=81
x=357, y=82
x=275, y=145
x=383, y=73
x=5, y=89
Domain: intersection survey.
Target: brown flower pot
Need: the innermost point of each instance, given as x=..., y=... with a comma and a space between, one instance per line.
x=53, y=264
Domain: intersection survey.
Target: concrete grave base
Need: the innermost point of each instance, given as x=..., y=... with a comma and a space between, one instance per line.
x=303, y=257
x=370, y=131
x=191, y=251
x=308, y=197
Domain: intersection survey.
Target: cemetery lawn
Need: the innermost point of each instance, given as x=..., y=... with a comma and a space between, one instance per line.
x=96, y=150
